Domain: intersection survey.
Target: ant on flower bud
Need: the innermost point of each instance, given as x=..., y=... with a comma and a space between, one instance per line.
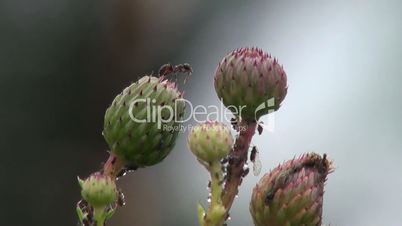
x=168, y=69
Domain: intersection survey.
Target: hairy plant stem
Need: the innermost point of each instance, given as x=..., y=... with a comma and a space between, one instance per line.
x=237, y=159
x=216, y=212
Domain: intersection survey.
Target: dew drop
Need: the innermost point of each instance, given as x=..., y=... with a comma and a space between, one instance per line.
x=121, y=201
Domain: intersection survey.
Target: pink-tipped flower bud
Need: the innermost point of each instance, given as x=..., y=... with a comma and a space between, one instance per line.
x=210, y=141
x=98, y=190
x=291, y=194
x=250, y=83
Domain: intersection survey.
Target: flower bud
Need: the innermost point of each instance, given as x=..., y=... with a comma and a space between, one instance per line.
x=250, y=82
x=291, y=194
x=210, y=141
x=135, y=122
x=98, y=190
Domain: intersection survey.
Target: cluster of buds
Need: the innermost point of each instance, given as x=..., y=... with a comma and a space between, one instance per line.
x=134, y=131
x=251, y=84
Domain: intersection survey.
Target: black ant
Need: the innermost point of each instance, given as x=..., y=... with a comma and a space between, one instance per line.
x=168, y=69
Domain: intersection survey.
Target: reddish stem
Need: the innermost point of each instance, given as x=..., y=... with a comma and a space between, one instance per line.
x=113, y=166
x=237, y=159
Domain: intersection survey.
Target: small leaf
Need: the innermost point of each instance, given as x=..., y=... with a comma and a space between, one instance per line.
x=80, y=214
x=201, y=214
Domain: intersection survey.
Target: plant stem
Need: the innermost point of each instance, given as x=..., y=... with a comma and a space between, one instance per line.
x=99, y=216
x=216, y=211
x=238, y=156
x=113, y=166
x=216, y=187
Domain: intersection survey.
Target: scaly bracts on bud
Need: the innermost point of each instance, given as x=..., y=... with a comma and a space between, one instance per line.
x=99, y=190
x=100, y=198
x=210, y=142
x=292, y=193
x=250, y=81
x=134, y=122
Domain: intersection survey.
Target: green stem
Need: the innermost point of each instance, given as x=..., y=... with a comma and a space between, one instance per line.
x=99, y=216
x=216, y=188
x=216, y=211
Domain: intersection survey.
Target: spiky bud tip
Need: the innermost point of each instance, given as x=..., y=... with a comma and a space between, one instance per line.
x=291, y=194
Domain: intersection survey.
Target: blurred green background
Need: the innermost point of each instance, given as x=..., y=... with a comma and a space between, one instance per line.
x=62, y=62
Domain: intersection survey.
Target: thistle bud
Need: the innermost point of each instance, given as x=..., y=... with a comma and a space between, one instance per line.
x=210, y=141
x=98, y=190
x=291, y=194
x=140, y=123
x=251, y=82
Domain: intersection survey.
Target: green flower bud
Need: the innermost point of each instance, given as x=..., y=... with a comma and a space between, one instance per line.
x=210, y=141
x=98, y=190
x=135, y=123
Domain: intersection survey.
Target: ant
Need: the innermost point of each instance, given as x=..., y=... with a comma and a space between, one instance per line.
x=168, y=69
